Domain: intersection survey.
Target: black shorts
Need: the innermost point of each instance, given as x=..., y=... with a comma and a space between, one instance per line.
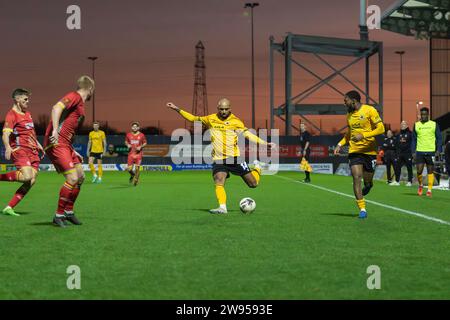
x=236, y=168
x=96, y=155
x=306, y=155
x=405, y=159
x=368, y=161
x=425, y=158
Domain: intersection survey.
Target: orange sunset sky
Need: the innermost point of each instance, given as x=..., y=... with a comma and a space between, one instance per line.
x=146, y=55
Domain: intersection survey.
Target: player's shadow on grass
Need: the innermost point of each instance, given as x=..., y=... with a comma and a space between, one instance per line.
x=346, y=215
x=122, y=186
x=43, y=224
x=23, y=213
x=218, y=214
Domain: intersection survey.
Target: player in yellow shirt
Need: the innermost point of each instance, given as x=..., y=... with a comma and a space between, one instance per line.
x=95, y=150
x=364, y=123
x=225, y=129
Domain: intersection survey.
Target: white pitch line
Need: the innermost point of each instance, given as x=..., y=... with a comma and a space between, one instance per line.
x=417, y=214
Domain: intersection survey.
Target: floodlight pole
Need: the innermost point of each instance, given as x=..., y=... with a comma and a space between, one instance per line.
x=93, y=95
x=251, y=5
x=401, y=53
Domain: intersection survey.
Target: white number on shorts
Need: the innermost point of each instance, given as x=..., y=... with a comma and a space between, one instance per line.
x=244, y=166
x=374, y=163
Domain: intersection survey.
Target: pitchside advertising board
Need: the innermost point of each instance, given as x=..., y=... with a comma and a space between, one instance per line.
x=123, y=166
x=168, y=150
x=325, y=168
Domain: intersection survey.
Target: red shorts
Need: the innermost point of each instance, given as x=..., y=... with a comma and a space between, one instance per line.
x=24, y=157
x=63, y=158
x=134, y=158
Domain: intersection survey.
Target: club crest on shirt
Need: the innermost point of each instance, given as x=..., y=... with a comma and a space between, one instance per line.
x=65, y=101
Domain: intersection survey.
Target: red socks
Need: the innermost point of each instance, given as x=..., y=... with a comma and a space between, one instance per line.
x=65, y=197
x=73, y=198
x=18, y=196
x=9, y=176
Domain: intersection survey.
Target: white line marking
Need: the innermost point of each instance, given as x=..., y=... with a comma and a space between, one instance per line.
x=417, y=214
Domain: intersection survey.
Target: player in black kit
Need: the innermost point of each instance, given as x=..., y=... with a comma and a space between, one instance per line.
x=404, y=139
x=390, y=154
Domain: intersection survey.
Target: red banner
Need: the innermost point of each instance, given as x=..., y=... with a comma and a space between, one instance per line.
x=293, y=151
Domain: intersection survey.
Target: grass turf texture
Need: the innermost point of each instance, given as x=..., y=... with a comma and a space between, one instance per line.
x=157, y=241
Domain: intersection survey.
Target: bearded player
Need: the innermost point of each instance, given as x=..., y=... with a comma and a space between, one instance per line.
x=22, y=146
x=67, y=115
x=225, y=128
x=135, y=141
x=364, y=123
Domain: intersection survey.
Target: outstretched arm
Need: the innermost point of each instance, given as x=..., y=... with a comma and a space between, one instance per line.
x=184, y=114
x=241, y=129
x=253, y=138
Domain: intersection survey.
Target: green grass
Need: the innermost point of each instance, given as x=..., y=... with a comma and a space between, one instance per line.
x=157, y=241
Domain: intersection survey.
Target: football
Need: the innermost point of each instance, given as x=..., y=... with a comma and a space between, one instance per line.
x=247, y=205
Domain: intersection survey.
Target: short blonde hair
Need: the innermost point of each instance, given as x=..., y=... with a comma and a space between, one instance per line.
x=85, y=82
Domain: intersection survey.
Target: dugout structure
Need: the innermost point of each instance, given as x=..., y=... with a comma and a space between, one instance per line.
x=358, y=50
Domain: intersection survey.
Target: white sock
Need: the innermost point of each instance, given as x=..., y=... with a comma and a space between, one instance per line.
x=223, y=206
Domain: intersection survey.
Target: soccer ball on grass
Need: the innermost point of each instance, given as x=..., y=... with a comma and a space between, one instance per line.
x=247, y=205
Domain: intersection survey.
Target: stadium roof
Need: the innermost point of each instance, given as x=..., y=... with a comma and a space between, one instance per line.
x=422, y=19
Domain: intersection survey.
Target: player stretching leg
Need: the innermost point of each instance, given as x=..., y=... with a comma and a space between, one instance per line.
x=426, y=143
x=364, y=123
x=22, y=146
x=225, y=128
x=95, y=149
x=135, y=142
x=67, y=115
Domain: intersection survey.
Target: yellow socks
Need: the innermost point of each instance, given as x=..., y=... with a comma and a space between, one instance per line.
x=100, y=170
x=430, y=181
x=91, y=166
x=221, y=195
x=256, y=172
x=419, y=179
x=361, y=204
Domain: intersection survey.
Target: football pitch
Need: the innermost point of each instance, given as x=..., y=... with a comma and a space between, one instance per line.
x=158, y=241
